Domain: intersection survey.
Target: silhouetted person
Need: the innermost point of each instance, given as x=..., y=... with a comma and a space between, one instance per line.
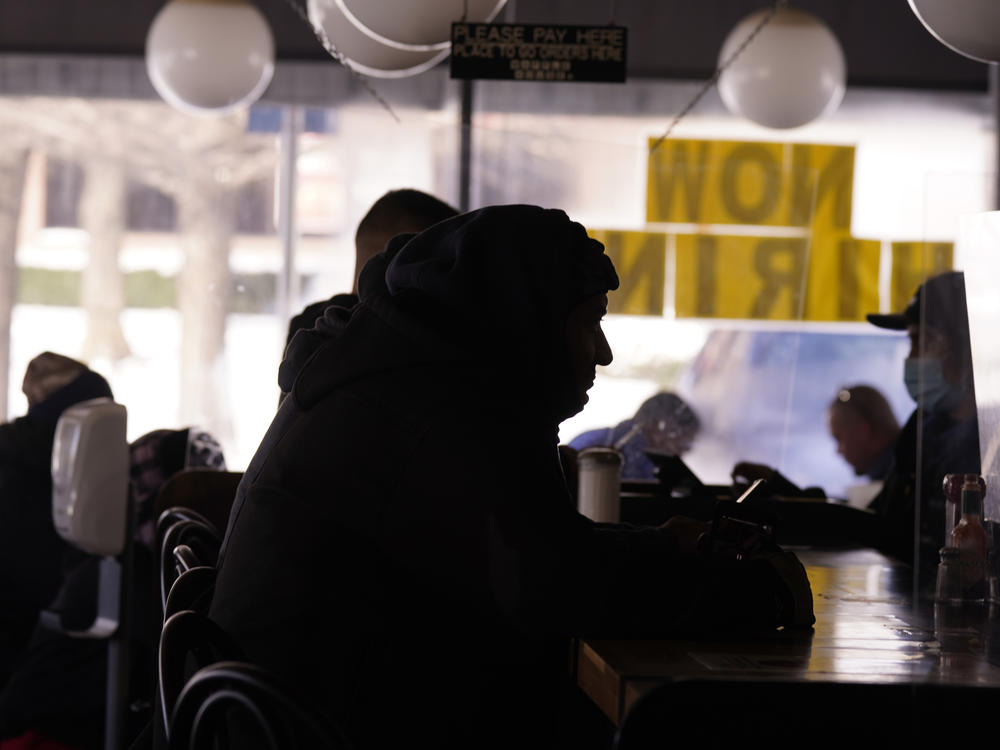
x=384, y=560
x=31, y=552
x=58, y=692
x=663, y=423
x=938, y=375
x=397, y=212
x=865, y=430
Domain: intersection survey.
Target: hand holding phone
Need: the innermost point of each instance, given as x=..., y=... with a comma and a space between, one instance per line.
x=740, y=529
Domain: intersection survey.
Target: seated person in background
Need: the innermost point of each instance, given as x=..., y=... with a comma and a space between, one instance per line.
x=862, y=423
x=664, y=423
x=865, y=429
x=938, y=375
x=58, y=691
x=397, y=212
x=418, y=587
x=31, y=552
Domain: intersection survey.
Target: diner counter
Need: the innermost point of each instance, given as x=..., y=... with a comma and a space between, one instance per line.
x=867, y=633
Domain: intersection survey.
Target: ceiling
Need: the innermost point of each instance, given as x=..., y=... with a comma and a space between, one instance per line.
x=883, y=41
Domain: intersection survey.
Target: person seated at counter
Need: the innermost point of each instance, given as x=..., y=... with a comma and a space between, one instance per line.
x=31, y=552
x=862, y=424
x=941, y=436
x=663, y=423
x=417, y=585
x=865, y=430
x=397, y=212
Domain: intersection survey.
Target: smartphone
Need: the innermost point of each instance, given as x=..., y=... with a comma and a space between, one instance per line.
x=754, y=491
x=742, y=528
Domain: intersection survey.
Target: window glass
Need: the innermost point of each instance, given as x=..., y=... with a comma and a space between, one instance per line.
x=146, y=243
x=760, y=380
x=146, y=247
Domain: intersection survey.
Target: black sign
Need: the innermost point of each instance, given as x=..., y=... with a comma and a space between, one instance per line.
x=538, y=53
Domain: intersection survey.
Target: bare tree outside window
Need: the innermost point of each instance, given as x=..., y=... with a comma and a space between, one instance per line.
x=201, y=164
x=12, y=168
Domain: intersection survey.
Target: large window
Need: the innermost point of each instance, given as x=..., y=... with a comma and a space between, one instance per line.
x=873, y=209
x=147, y=243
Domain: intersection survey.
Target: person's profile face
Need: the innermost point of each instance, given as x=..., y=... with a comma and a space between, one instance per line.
x=853, y=437
x=586, y=347
x=933, y=343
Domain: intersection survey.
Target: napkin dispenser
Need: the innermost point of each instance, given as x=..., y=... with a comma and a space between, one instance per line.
x=90, y=475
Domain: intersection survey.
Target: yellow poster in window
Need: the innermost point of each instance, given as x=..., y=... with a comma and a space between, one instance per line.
x=640, y=259
x=843, y=278
x=751, y=183
x=776, y=278
x=726, y=276
x=912, y=264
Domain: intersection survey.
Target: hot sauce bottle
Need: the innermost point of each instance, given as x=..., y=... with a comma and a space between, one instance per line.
x=969, y=537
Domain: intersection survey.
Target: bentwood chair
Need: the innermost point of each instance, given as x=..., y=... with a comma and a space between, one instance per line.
x=189, y=642
x=187, y=540
x=204, y=681
x=234, y=704
x=207, y=492
x=193, y=588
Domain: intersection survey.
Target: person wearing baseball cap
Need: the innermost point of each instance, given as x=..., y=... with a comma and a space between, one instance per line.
x=31, y=552
x=941, y=436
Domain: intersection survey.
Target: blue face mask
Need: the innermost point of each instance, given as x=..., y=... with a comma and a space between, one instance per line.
x=926, y=385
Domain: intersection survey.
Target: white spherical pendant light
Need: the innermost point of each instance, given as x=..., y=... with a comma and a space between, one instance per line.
x=416, y=24
x=209, y=57
x=365, y=54
x=970, y=27
x=791, y=73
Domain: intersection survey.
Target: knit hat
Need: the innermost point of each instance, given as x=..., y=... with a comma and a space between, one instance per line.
x=47, y=373
x=506, y=276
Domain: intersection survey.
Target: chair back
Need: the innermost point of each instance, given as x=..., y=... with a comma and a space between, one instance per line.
x=193, y=590
x=234, y=704
x=208, y=492
x=188, y=642
x=187, y=540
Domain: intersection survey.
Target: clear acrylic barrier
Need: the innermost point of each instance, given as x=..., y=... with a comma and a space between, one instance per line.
x=979, y=241
x=725, y=298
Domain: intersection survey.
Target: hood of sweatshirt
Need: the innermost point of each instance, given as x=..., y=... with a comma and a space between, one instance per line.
x=487, y=291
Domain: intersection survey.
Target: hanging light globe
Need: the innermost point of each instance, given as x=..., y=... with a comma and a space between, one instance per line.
x=790, y=74
x=417, y=24
x=209, y=57
x=970, y=27
x=364, y=53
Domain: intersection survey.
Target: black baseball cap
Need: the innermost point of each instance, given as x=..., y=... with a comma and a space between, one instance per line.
x=945, y=307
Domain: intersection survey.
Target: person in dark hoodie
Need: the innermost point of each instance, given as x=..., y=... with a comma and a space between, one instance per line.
x=397, y=212
x=421, y=588
x=31, y=553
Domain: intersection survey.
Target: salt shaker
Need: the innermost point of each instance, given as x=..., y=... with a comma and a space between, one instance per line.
x=949, y=577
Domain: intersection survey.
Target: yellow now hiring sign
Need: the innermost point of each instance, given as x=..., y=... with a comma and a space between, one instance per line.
x=812, y=270
x=749, y=183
